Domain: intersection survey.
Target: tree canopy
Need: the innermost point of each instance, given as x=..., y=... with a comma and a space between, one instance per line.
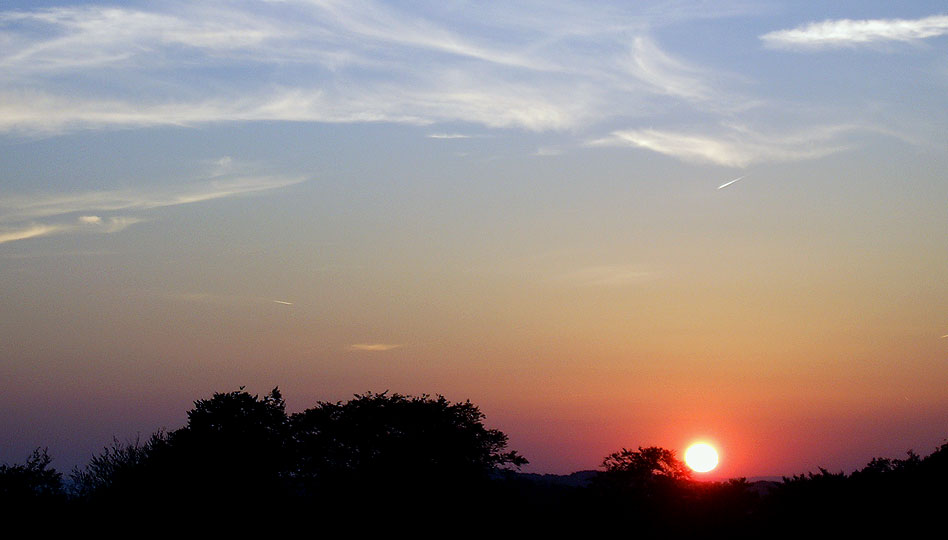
x=395, y=438
x=33, y=481
x=645, y=468
x=238, y=446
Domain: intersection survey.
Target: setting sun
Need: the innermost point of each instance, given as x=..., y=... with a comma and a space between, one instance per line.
x=701, y=457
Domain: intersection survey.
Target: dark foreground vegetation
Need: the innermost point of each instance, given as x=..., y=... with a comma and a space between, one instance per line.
x=396, y=461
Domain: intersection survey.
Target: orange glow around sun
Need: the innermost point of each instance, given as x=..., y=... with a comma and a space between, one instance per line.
x=701, y=457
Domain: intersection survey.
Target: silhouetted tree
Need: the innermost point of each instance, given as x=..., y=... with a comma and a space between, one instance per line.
x=642, y=489
x=645, y=468
x=233, y=444
x=32, y=483
x=242, y=450
x=395, y=440
x=120, y=470
x=232, y=449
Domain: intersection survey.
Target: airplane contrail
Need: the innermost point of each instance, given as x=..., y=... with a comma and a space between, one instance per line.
x=284, y=303
x=726, y=184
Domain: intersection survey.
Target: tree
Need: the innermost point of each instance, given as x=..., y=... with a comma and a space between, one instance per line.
x=120, y=469
x=643, y=490
x=644, y=468
x=232, y=448
x=394, y=440
x=33, y=482
x=242, y=451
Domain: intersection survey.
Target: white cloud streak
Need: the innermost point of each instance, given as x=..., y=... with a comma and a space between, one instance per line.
x=28, y=231
x=448, y=136
x=666, y=75
x=26, y=207
x=852, y=33
x=83, y=224
x=734, y=146
x=22, y=213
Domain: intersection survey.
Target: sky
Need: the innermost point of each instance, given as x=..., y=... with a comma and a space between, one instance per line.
x=607, y=224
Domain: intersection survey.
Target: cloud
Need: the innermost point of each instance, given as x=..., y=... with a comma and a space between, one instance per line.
x=80, y=38
x=374, y=347
x=665, y=74
x=557, y=68
x=460, y=98
x=115, y=224
x=536, y=66
x=25, y=207
x=851, y=33
x=448, y=136
x=734, y=146
x=33, y=215
x=110, y=225
x=28, y=231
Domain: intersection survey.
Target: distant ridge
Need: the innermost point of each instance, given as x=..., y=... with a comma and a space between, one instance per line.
x=761, y=484
x=576, y=479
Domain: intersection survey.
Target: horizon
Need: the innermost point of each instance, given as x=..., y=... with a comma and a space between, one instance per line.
x=605, y=225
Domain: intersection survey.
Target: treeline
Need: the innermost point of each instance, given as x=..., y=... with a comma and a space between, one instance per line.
x=427, y=460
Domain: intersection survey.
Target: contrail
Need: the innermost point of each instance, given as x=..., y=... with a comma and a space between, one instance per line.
x=284, y=303
x=726, y=184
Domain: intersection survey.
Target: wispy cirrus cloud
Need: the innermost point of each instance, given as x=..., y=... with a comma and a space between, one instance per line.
x=852, y=33
x=31, y=215
x=81, y=38
x=556, y=68
x=550, y=66
x=90, y=224
x=735, y=146
x=24, y=232
x=26, y=207
x=665, y=74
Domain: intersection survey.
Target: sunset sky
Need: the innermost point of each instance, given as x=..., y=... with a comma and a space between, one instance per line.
x=515, y=203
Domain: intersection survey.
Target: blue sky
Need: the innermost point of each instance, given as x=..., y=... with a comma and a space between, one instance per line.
x=495, y=201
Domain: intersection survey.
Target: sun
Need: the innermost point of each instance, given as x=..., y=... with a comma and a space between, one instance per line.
x=701, y=457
